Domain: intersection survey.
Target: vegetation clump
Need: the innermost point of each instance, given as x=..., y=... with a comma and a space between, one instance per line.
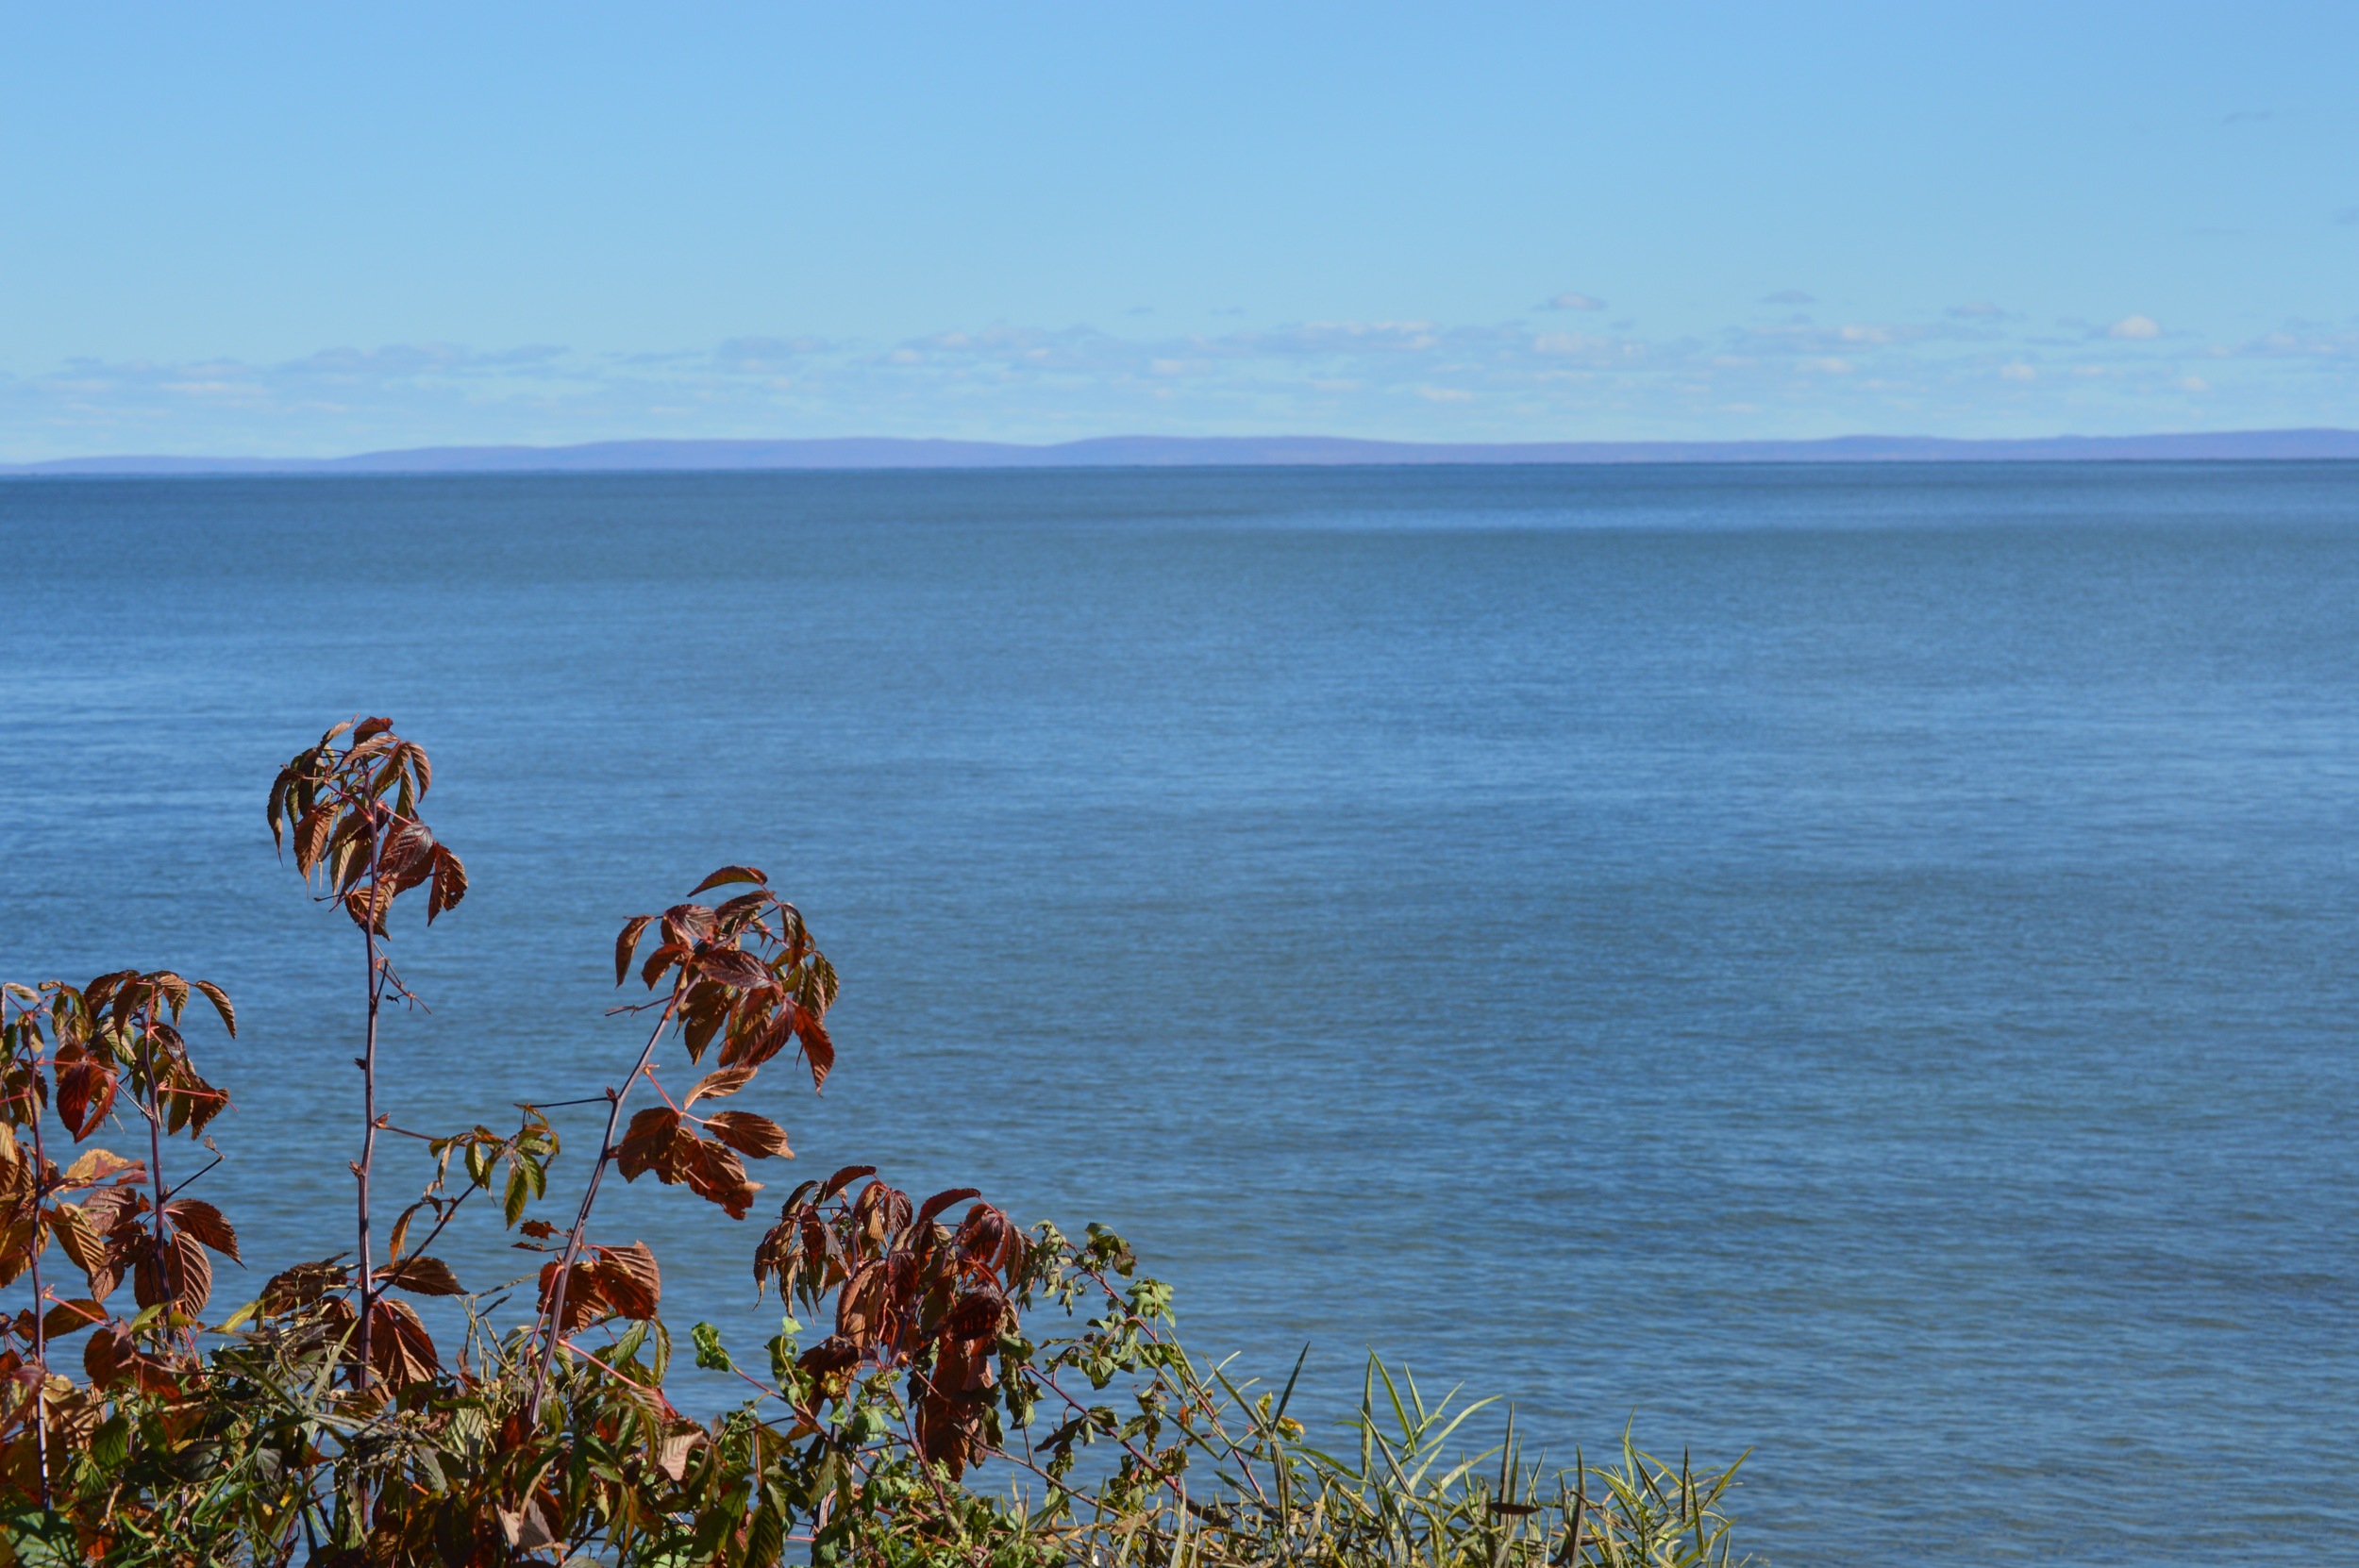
x=984, y=1395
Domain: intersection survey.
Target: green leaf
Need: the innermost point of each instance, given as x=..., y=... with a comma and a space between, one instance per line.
x=39, y=1539
x=110, y=1445
x=711, y=1354
x=519, y=1193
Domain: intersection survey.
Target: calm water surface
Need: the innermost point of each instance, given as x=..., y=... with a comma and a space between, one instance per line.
x=1860, y=964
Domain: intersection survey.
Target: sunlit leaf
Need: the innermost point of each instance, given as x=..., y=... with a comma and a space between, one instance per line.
x=725, y=876
x=713, y=1085
x=220, y=999
x=750, y=1134
x=204, y=1222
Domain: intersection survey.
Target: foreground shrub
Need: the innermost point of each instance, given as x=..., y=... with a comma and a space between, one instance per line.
x=983, y=1394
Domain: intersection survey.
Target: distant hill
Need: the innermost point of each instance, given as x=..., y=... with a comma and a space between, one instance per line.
x=879, y=452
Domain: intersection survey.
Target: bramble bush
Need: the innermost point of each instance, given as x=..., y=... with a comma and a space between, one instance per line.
x=323, y=1423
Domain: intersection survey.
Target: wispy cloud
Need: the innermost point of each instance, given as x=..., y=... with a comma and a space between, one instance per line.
x=1573, y=302
x=1967, y=370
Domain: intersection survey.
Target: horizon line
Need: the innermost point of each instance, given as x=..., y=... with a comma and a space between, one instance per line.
x=756, y=454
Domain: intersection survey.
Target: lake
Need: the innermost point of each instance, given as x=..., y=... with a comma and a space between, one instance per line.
x=1858, y=962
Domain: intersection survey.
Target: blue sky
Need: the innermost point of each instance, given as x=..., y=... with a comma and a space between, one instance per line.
x=310, y=230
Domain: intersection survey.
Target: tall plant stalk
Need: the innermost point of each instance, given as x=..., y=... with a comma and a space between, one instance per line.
x=39, y=1201
x=367, y=1163
x=154, y=1110
x=370, y=851
x=554, y=1317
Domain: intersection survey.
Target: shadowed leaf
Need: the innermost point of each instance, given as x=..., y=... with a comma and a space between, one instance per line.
x=86, y=1091
x=628, y=943
x=422, y=1276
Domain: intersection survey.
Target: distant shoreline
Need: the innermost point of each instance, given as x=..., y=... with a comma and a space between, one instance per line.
x=885, y=452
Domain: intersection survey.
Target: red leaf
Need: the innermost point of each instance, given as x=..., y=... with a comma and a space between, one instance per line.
x=310, y=836
x=629, y=1280
x=583, y=1302
x=649, y=1135
x=110, y=1356
x=713, y=1085
x=220, y=999
x=734, y=966
x=450, y=884
x=628, y=943
x=977, y=1316
x=302, y=1286
x=422, y=1276
x=725, y=876
x=204, y=1222
x=941, y=1201
x=192, y=1274
x=817, y=1048
x=749, y=1134
x=987, y=1237
x=399, y=1345
x=663, y=958
x=410, y=847
x=844, y=1178
x=72, y=1317
x=713, y=1173
x=86, y=1089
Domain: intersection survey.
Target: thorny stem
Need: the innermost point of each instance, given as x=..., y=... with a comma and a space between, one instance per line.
x=556, y=1315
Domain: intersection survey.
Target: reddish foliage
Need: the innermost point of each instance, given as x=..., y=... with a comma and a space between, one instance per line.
x=910, y=1292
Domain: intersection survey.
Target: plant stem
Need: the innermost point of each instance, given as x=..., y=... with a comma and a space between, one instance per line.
x=154, y=1109
x=368, y=1139
x=41, y=1328
x=368, y=1093
x=590, y=1195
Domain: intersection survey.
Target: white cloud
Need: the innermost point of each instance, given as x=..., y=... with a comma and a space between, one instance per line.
x=1409, y=378
x=1573, y=302
x=1979, y=310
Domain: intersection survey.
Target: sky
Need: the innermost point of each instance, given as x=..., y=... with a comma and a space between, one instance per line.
x=305, y=230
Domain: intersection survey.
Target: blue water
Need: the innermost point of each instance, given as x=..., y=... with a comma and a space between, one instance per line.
x=1860, y=964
